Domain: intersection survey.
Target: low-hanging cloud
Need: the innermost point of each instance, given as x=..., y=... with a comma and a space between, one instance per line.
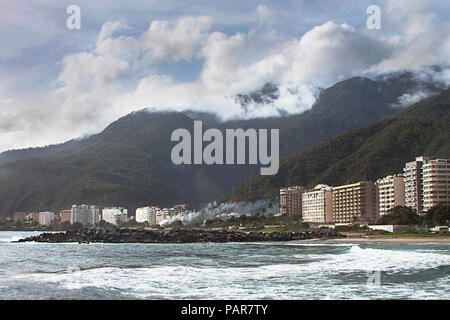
x=122, y=72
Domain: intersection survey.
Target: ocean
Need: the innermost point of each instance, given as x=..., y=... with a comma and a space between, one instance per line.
x=287, y=270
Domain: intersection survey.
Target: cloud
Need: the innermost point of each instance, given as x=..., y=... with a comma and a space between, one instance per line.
x=125, y=69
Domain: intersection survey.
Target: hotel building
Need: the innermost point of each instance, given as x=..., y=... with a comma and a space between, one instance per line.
x=317, y=205
x=391, y=193
x=291, y=200
x=355, y=203
x=146, y=214
x=413, y=183
x=436, y=183
x=85, y=214
x=115, y=215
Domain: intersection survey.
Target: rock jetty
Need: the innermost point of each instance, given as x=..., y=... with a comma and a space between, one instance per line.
x=127, y=235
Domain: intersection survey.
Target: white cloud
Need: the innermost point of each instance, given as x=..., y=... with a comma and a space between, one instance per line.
x=120, y=74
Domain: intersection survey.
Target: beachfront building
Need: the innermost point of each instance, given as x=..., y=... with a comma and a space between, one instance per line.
x=355, y=203
x=85, y=214
x=65, y=215
x=183, y=208
x=115, y=215
x=391, y=193
x=164, y=214
x=413, y=183
x=20, y=217
x=291, y=200
x=147, y=214
x=436, y=183
x=317, y=204
x=46, y=218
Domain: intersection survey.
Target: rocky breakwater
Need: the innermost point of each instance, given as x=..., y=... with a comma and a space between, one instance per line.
x=127, y=235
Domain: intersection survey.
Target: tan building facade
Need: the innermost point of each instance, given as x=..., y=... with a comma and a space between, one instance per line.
x=291, y=200
x=66, y=215
x=436, y=183
x=19, y=217
x=317, y=205
x=391, y=193
x=355, y=203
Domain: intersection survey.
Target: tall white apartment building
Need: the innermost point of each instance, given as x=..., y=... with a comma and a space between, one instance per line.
x=391, y=192
x=436, y=183
x=85, y=214
x=317, y=204
x=147, y=214
x=115, y=215
x=413, y=183
x=46, y=218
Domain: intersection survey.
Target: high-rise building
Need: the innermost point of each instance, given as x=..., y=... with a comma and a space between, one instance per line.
x=413, y=183
x=355, y=203
x=147, y=214
x=391, y=193
x=317, y=204
x=436, y=183
x=46, y=218
x=115, y=215
x=291, y=200
x=85, y=214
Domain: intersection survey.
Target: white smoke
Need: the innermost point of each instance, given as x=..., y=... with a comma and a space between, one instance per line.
x=225, y=211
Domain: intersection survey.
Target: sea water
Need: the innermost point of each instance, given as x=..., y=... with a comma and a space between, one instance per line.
x=286, y=270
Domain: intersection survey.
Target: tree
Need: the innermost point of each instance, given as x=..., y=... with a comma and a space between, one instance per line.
x=76, y=225
x=437, y=216
x=400, y=216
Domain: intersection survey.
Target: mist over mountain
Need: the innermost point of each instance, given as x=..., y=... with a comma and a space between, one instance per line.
x=128, y=163
x=367, y=153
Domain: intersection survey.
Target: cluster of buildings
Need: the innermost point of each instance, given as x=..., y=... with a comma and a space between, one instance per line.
x=90, y=215
x=423, y=184
x=155, y=215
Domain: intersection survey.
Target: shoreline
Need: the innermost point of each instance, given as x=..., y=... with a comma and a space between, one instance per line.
x=392, y=239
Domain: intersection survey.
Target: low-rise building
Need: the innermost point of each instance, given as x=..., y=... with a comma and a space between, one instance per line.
x=394, y=228
x=46, y=218
x=317, y=205
x=391, y=193
x=20, y=217
x=182, y=208
x=147, y=214
x=66, y=215
x=115, y=215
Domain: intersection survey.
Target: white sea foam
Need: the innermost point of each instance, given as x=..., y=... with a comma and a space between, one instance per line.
x=318, y=278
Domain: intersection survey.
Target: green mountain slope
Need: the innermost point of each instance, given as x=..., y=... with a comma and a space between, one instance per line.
x=128, y=164
x=369, y=152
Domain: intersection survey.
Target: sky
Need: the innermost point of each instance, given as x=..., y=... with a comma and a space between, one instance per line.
x=58, y=83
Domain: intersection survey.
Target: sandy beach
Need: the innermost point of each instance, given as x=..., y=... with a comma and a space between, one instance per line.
x=392, y=239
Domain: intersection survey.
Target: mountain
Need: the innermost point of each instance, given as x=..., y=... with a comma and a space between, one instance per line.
x=128, y=164
x=365, y=153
